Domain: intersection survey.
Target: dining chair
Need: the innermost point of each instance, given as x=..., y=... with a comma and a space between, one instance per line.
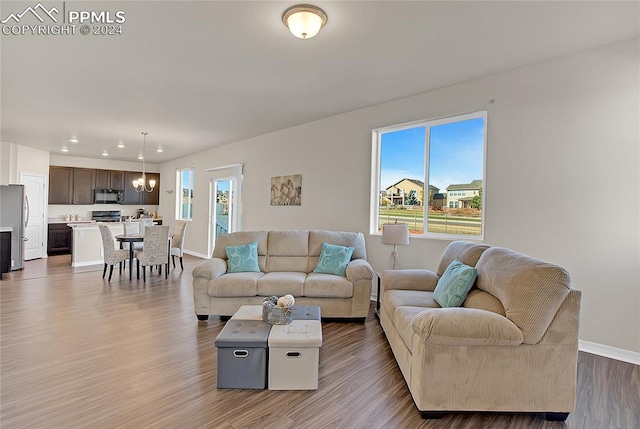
x=142, y=224
x=177, y=242
x=156, y=250
x=112, y=255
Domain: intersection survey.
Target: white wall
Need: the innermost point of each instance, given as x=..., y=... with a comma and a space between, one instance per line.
x=562, y=179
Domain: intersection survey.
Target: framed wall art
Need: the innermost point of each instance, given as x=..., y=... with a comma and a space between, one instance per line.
x=286, y=190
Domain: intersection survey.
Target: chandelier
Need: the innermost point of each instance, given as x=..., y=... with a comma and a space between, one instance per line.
x=141, y=184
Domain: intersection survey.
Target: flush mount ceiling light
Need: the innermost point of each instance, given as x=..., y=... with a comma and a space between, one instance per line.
x=74, y=140
x=304, y=20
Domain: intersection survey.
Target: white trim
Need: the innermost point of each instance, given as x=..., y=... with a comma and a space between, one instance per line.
x=198, y=254
x=86, y=263
x=610, y=352
x=223, y=167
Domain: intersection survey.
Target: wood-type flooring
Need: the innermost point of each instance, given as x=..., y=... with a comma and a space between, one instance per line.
x=78, y=351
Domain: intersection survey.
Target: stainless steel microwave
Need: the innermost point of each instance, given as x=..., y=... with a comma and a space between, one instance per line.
x=108, y=196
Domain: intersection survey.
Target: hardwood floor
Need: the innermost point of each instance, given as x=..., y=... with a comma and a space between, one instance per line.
x=80, y=352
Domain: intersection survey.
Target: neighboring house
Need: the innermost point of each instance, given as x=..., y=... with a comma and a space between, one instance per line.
x=399, y=193
x=460, y=196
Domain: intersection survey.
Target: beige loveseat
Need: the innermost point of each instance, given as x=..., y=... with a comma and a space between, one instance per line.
x=286, y=260
x=511, y=347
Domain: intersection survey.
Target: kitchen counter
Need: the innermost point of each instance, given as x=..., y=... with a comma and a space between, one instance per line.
x=87, y=242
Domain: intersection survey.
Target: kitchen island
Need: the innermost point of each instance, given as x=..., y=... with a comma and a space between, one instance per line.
x=87, y=242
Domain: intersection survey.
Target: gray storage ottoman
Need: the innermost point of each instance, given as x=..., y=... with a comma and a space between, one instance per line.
x=242, y=354
x=305, y=312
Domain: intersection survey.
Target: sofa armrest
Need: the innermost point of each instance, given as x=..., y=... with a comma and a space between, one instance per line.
x=359, y=269
x=211, y=268
x=417, y=279
x=465, y=327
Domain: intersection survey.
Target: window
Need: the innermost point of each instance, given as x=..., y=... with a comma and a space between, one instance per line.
x=184, y=197
x=447, y=156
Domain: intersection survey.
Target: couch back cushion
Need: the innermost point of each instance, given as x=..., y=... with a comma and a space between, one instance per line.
x=530, y=290
x=242, y=237
x=466, y=252
x=288, y=251
x=347, y=239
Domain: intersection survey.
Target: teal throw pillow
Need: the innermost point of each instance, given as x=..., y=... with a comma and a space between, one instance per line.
x=455, y=284
x=334, y=259
x=243, y=258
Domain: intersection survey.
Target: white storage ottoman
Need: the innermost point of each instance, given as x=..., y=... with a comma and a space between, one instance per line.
x=248, y=312
x=294, y=355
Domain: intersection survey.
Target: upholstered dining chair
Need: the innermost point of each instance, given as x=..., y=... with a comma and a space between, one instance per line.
x=177, y=242
x=156, y=250
x=112, y=255
x=142, y=224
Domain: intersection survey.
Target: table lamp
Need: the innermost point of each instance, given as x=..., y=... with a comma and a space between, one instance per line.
x=395, y=233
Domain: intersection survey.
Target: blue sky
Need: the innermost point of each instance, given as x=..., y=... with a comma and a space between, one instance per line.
x=455, y=154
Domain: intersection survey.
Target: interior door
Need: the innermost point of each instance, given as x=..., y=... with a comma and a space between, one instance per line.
x=35, y=203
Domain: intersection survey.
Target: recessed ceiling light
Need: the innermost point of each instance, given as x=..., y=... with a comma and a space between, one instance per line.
x=64, y=149
x=120, y=145
x=140, y=157
x=74, y=140
x=159, y=149
x=105, y=153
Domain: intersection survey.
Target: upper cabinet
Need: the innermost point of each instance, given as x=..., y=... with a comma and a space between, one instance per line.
x=83, y=181
x=109, y=179
x=60, y=185
x=69, y=185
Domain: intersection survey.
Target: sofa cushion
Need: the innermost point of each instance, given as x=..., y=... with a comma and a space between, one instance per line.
x=242, y=237
x=348, y=239
x=402, y=319
x=320, y=285
x=454, y=285
x=482, y=300
x=288, y=251
x=333, y=259
x=393, y=299
x=530, y=290
x=235, y=284
x=466, y=252
x=243, y=258
x=281, y=284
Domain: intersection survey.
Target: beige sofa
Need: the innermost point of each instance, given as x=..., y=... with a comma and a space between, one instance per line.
x=287, y=260
x=511, y=347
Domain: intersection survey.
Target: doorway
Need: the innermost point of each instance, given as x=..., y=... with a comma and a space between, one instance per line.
x=224, y=202
x=35, y=202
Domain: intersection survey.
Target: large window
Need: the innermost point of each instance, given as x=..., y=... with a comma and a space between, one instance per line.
x=430, y=175
x=184, y=197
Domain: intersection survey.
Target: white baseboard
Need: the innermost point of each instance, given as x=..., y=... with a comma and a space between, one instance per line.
x=84, y=264
x=610, y=352
x=199, y=255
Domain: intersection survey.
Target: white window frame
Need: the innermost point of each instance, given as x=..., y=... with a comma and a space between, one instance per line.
x=179, y=186
x=375, y=174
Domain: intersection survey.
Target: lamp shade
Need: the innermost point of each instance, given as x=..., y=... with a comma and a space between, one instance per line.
x=395, y=233
x=304, y=21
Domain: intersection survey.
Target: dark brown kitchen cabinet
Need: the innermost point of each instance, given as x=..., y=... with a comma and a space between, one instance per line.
x=109, y=179
x=59, y=239
x=83, y=181
x=152, y=198
x=60, y=185
x=131, y=196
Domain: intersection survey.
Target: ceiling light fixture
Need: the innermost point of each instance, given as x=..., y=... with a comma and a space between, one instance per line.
x=159, y=149
x=304, y=20
x=141, y=183
x=105, y=153
x=73, y=140
x=120, y=145
x=64, y=149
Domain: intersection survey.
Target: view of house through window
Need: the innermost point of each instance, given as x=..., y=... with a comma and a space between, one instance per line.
x=184, y=196
x=431, y=173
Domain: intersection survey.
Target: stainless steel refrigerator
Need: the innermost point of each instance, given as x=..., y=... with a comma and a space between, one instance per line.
x=14, y=213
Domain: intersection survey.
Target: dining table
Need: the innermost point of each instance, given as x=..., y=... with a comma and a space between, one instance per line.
x=129, y=238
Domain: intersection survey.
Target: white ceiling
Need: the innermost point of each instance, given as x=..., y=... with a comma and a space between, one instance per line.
x=201, y=74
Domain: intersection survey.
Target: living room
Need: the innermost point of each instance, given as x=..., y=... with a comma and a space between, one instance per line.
x=561, y=177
